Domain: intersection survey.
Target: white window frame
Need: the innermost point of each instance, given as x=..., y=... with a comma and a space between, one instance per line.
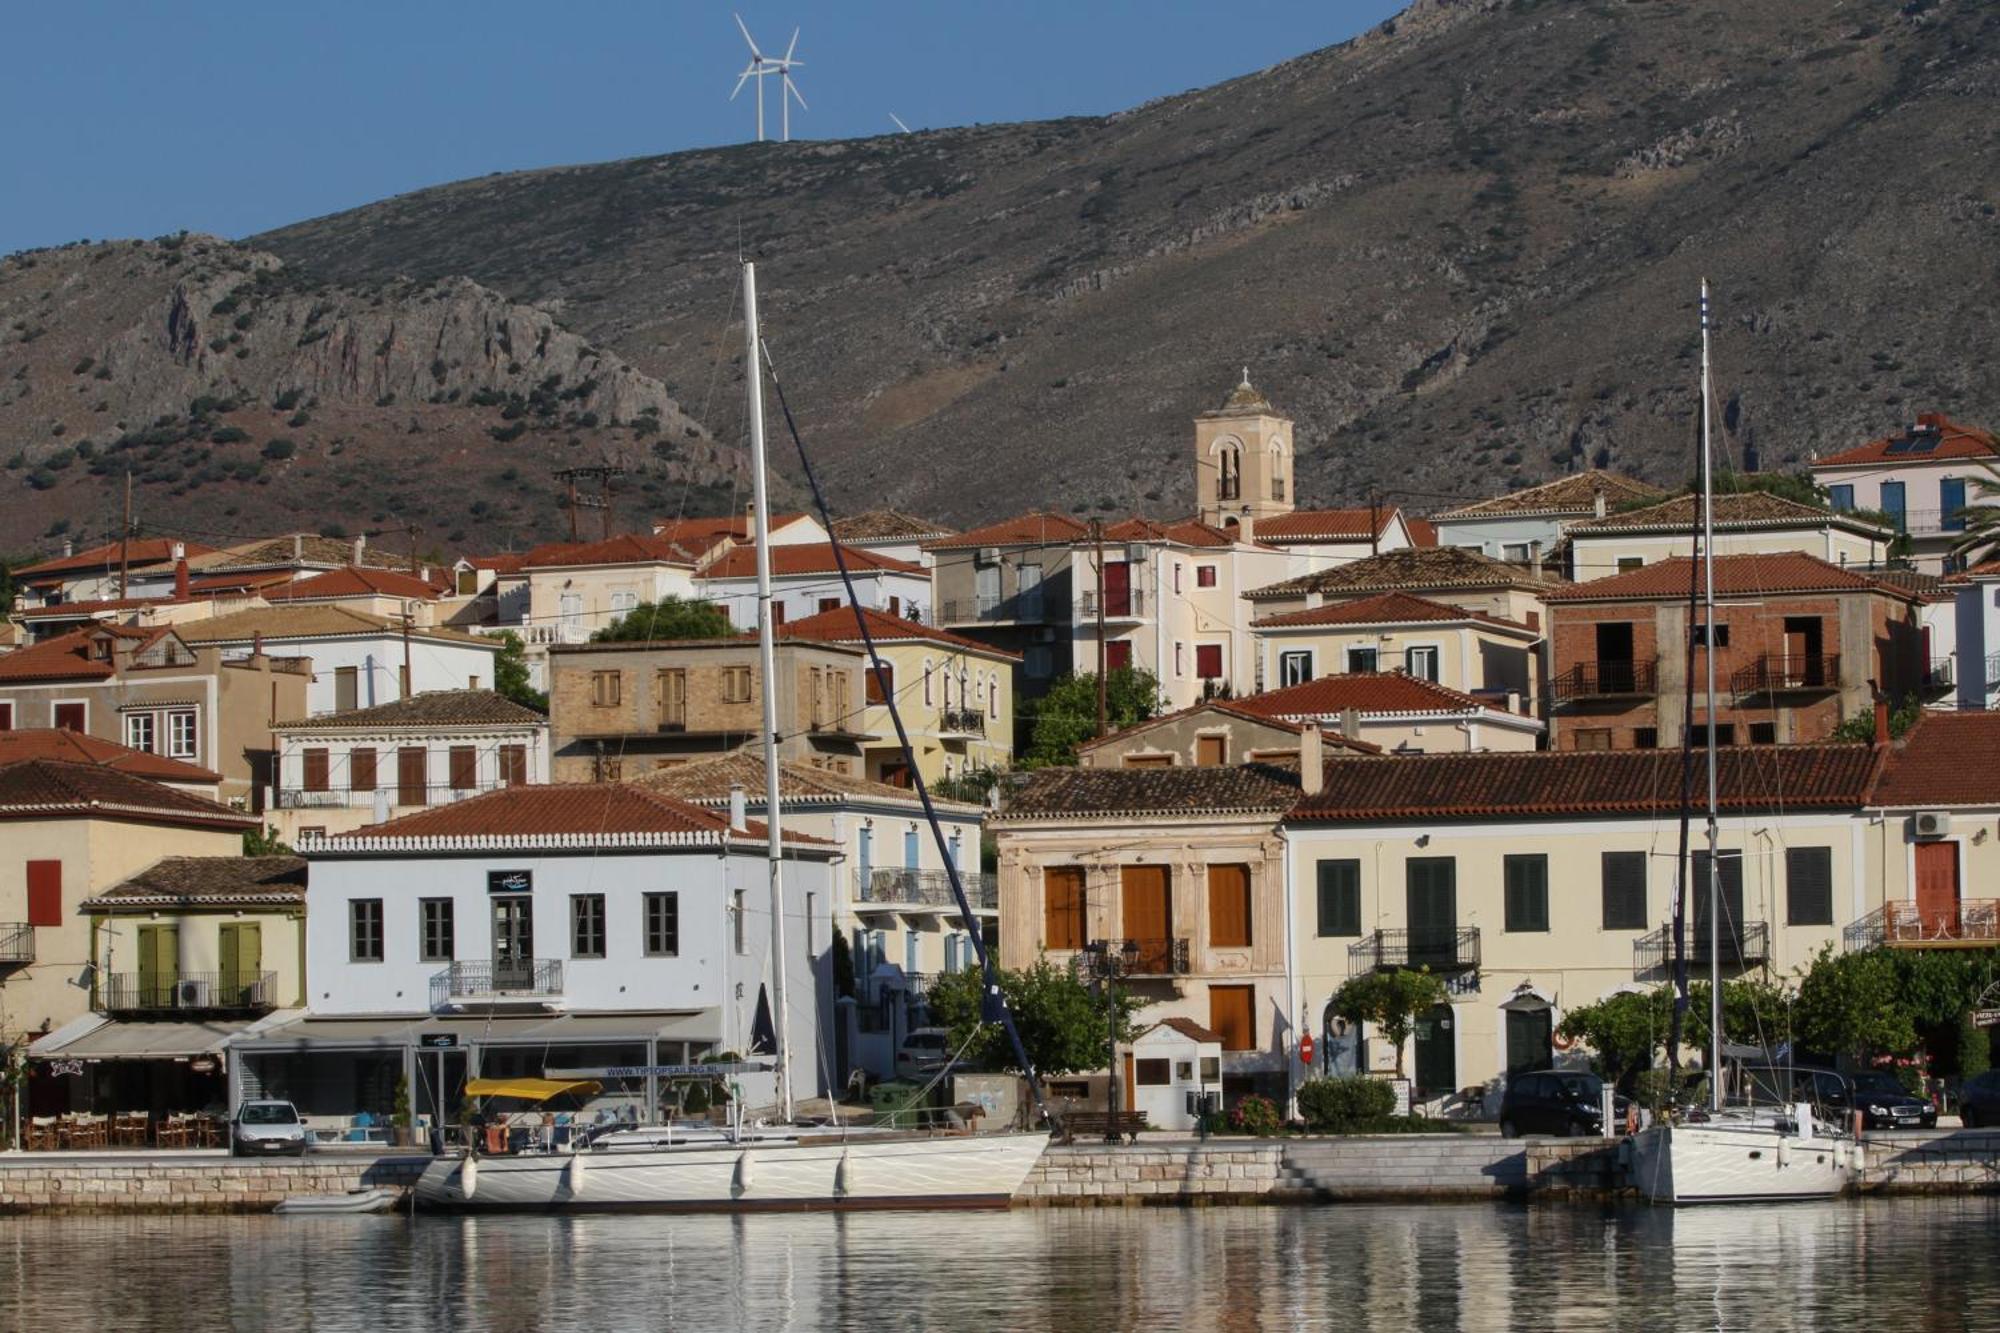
x=84, y=704
x=138, y=723
x=175, y=718
x=1295, y=653
x=1436, y=652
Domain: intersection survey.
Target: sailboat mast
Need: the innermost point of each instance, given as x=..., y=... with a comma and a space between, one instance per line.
x=767, y=658
x=1708, y=656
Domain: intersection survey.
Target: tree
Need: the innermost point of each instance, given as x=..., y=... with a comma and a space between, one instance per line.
x=1853, y=1005
x=1982, y=521
x=1861, y=727
x=1064, y=1024
x=1392, y=1001
x=510, y=674
x=668, y=618
x=1625, y=1030
x=1066, y=716
x=264, y=841
x=1754, y=1013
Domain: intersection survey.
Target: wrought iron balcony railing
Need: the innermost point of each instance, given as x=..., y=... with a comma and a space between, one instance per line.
x=17, y=942
x=1133, y=958
x=211, y=992
x=1446, y=949
x=962, y=722
x=1773, y=674
x=896, y=886
x=1129, y=604
x=1971, y=923
x=344, y=798
x=1607, y=680
x=529, y=979
x=1748, y=945
x=992, y=610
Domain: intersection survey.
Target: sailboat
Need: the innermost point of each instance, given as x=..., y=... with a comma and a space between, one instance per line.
x=776, y=1165
x=1740, y=1154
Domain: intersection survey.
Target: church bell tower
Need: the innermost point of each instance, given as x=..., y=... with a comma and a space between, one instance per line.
x=1243, y=461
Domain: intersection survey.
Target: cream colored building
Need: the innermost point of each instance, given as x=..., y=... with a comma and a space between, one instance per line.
x=578, y=588
x=1469, y=651
x=1402, y=714
x=1448, y=574
x=1746, y=523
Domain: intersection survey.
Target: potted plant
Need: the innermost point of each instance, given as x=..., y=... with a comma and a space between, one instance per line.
x=399, y=1115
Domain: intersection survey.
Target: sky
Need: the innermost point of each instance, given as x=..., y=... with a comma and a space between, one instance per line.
x=140, y=118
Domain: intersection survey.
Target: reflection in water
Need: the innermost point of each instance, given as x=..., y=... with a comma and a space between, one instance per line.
x=1925, y=1264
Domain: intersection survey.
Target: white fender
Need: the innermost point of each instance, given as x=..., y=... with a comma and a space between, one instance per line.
x=1784, y=1153
x=843, y=1175
x=573, y=1177
x=741, y=1184
x=468, y=1176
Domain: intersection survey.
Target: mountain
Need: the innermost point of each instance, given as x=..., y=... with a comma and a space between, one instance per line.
x=1461, y=250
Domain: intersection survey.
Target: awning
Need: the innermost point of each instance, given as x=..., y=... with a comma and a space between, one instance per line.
x=391, y=1032
x=115, y=1040
x=531, y=1089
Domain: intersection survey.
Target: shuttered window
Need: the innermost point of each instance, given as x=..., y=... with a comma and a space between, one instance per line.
x=881, y=682
x=361, y=768
x=1229, y=907
x=1808, y=886
x=1232, y=1015
x=45, y=893
x=315, y=770
x=1624, y=890
x=1062, y=907
x=1527, y=880
x=513, y=765
x=464, y=768
x=1340, y=898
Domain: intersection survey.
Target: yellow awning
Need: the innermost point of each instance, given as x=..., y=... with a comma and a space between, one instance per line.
x=530, y=1089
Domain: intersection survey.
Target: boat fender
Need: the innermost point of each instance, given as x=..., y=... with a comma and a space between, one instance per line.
x=740, y=1186
x=1784, y=1153
x=843, y=1176
x=573, y=1178
x=468, y=1176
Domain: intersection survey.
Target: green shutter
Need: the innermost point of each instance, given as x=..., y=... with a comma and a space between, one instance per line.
x=1527, y=892
x=1340, y=898
x=159, y=965
x=1808, y=886
x=1624, y=890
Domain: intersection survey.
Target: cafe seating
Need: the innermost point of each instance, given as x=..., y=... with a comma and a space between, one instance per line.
x=43, y=1134
x=130, y=1129
x=173, y=1132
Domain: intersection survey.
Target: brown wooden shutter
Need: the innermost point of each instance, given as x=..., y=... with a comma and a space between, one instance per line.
x=1211, y=751
x=412, y=777
x=361, y=769
x=514, y=765
x=1232, y=1015
x=1146, y=900
x=880, y=689
x=1229, y=907
x=1062, y=907
x=315, y=764
x=45, y=893
x=464, y=768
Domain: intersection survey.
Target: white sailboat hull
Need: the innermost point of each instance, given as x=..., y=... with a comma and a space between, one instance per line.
x=818, y=1172
x=1738, y=1163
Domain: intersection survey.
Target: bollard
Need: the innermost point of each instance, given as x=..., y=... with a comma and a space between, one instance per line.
x=1607, y=1107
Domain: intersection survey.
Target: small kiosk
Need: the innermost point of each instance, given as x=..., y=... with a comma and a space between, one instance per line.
x=1170, y=1069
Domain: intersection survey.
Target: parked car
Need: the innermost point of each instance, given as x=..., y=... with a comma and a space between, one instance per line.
x=267, y=1129
x=923, y=1053
x=1979, y=1101
x=1882, y=1101
x=1565, y=1103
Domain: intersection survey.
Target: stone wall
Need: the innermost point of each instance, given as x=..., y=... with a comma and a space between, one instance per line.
x=193, y=1185
x=1449, y=1166
x=1159, y=1172
x=1944, y=1161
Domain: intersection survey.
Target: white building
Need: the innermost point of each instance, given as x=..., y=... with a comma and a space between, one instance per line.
x=805, y=581
x=1523, y=526
x=1977, y=635
x=1919, y=479
x=358, y=661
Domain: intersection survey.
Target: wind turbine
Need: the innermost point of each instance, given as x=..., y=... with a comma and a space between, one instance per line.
x=761, y=65
x=899, y=123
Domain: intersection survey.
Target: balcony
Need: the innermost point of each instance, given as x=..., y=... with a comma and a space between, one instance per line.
x=1939, y=676
x=1748, y=946
x=1152, y=958
x=1450, y=949
x=962, y=722
x=1974, y=923
x=17, y=943
x=885, y=886
x=1129, y=604
x=1993, y=671
x=1606, y=680
x=1770, y=674
x=544, y=635
x=531, y=981
x=434, y=793
x=187, y=992
x=993, y=611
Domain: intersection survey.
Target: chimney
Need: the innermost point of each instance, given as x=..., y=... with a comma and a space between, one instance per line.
x=424, y=573
x=180, y=573
x=739, y=809
x=1312, y=760
x=1350, y=723
x=1597, y=500
x=359, y=542
x=1881, y=721
x=69, y=548
x=256, y=645
x=298, y=546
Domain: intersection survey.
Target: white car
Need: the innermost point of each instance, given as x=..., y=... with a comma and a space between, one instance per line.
x=923, y=1053
x=267, y=1129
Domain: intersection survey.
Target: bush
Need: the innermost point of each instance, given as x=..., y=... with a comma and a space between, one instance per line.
x=1255, y=1115
x=228, y=435
x=279, y=449
x=1339, y=1105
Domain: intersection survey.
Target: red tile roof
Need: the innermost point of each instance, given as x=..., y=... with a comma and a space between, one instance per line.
x=65, y=657
x=887, y=525
x=1574, y=494
x=240, y=582
x=1364, y=691
x=1040, y=528
x=1571, y=782
x=1305, y=525
x=1735, y=576
x=626, y=549
x=1742, y=509
x=1946, y=759
x=1389, y=608
x=1411, y=569
x=355, y=581
x=87, y=609
x=740, y=562
x=143, y=551
x=1186, y=532
x=837, y=626
x=1188, y=1028
x=1423, y=532
x=77, y=748
x=509, y=563
x=588, y=811
x=52, y=789
x=1178, y=792
x=699, y=534
x=1953, y=441
x=1332, y=740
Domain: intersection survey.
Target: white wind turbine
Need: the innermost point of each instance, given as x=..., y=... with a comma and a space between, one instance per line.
x=761, y=65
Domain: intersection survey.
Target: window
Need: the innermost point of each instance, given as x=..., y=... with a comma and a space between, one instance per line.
x=621, y=602
x=740, y=942
x=1624, y=890
x=1422, y=662
x=1118, y=655
x=673, y=683
x=364, y=930
x=1211, y=751
x=1062, y=907
x=1340, y=898
x=1840, y=498
x=663, y=925
x=929, y=697
x=1152, y=1073
x=1628, y=563
x=1592, y=738
x=1204, y=576
x=315, y=769
x=1527, y=888
x=464, y=768
x=1232, y=1014
x=1229, y=906
x=72, y=717
x=1180, y=659
x=1296, y=667
x=1360, y=659
x=1517, y=552
x=434, y=918
x=1208, y=661
x=736, y=685
x=1725, y=733
x=1763, y=733
x=139, y=731
x=180, y=734
x=1808, y=886
x=829, y=604
x=6, y=717
x=777, y=613
x=1645, y=738
x=1028, y=605
x=586, y=925
x=361, y=768
x=1211, y=1069
x=1177, y=576
x=1699, y=634
x=607, y=688
x=45, y=907
x=1892, y=505
x=346, y=689
x=880, y=680
x=513, y=765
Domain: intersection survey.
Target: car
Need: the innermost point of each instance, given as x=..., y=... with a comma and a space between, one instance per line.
x=1881, y=1099
x=1979, y=1101
x=924, y=1052
x=1566, y=1103
x=267, y=1128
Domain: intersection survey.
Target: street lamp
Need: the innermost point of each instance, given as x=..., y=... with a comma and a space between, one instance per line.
x=1108, y=964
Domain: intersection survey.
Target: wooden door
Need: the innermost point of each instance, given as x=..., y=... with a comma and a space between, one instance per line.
x=1431, y=900
x=1128, y=1091
x=1146, y=901
x=1232, y=1015
x=1937, y=889
x=674, y=698
x=1062, y=907
x=242, y=961
x=412, y=761
x=1528, y=1040
x=1117, y=588
x=1436, y=1063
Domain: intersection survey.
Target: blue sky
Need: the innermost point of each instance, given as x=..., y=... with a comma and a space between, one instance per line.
x=141, y=118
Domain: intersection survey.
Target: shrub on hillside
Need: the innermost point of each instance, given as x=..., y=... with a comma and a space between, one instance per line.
x=1341, y=1105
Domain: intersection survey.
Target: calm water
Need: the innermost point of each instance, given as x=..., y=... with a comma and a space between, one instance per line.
x=1930, y=1265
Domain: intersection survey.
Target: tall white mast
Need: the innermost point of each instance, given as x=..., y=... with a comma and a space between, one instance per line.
x=767, y=656
x=1708, y=656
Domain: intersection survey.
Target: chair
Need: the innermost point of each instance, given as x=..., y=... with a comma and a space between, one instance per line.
x=172, y=1132
x=130, y=1129
x=90, y=1131
x=44, y=1135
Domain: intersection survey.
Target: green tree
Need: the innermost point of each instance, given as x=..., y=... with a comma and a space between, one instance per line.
x=1066, y=716
x=1861, y=727
x=264, y=841
x=1392, y=1001
x=1754, y=1013
x=668, y=618
x=1853, y=1005
x=510, y=674
x=1624, y=1031
x=1982, y=520
x=1064, y=1024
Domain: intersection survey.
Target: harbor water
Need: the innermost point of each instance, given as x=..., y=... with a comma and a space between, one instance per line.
x=1930, y=1264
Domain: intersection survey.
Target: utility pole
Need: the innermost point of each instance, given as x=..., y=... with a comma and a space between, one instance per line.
x=406, y=651
x=1374, y=522
x=125, y=542
x=605, y=474
x=412, y=530
x=1103, y=649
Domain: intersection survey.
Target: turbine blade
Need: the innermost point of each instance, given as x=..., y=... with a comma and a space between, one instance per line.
x=794, y=46
x=793, y=89
x=752, y=41
x=899, y=122
x=741, y=79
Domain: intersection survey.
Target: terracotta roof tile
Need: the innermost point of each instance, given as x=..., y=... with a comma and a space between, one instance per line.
x=1040, y=528
x=1952, y=441
x=740, y=562
x=701, y=534
x=583, y=810
x=1735, y=576
x=837, y=626
x=887, y=525
x=1743, y=509
x=1230, y=708
x=1946, y=759
x=1304, y=525
x=1389, y=608
x=437, y=708
x=293, y=550
x=1056, y=793
x=1190, y=1029
x=1186, y=532
x=1412, y=569
x=77, y=748
x=707, y=782
x=177, y=881
x=1575, y=494
x=1370, y=692
x=1553, y=783
x=311, y=622
x=355, y=581
x=143, y=552
x=625, y=549
x=64, y=657
x=511, y=562
x=50, y=789
x=1423, y=532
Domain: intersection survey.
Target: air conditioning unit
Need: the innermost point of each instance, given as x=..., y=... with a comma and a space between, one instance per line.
x=989, y=555
x=1932, y=823
x=190, y=995
x=1135, y=555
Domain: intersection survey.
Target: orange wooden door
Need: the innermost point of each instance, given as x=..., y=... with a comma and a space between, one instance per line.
x=1232, y=1015
x=1148, y=912
x=1937, y=888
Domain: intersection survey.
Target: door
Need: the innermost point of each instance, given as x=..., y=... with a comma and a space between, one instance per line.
x=571, y=609
x=1029, y=578
x=1148, y=914
x=1951, y=499
x=1528, y=1040
x=1117, y=588
x=1117, y=654
x=513, y=941
x=1937, y=889
x=911, y=845
x=1892, y=505
x=1436, y=1063
x=242, y=962
x=1232, y=1015
x=411, y=786
x=1614, y=658
x=159, y=965
x=986, y=588
x=1431, y=900
x=1803, y=644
